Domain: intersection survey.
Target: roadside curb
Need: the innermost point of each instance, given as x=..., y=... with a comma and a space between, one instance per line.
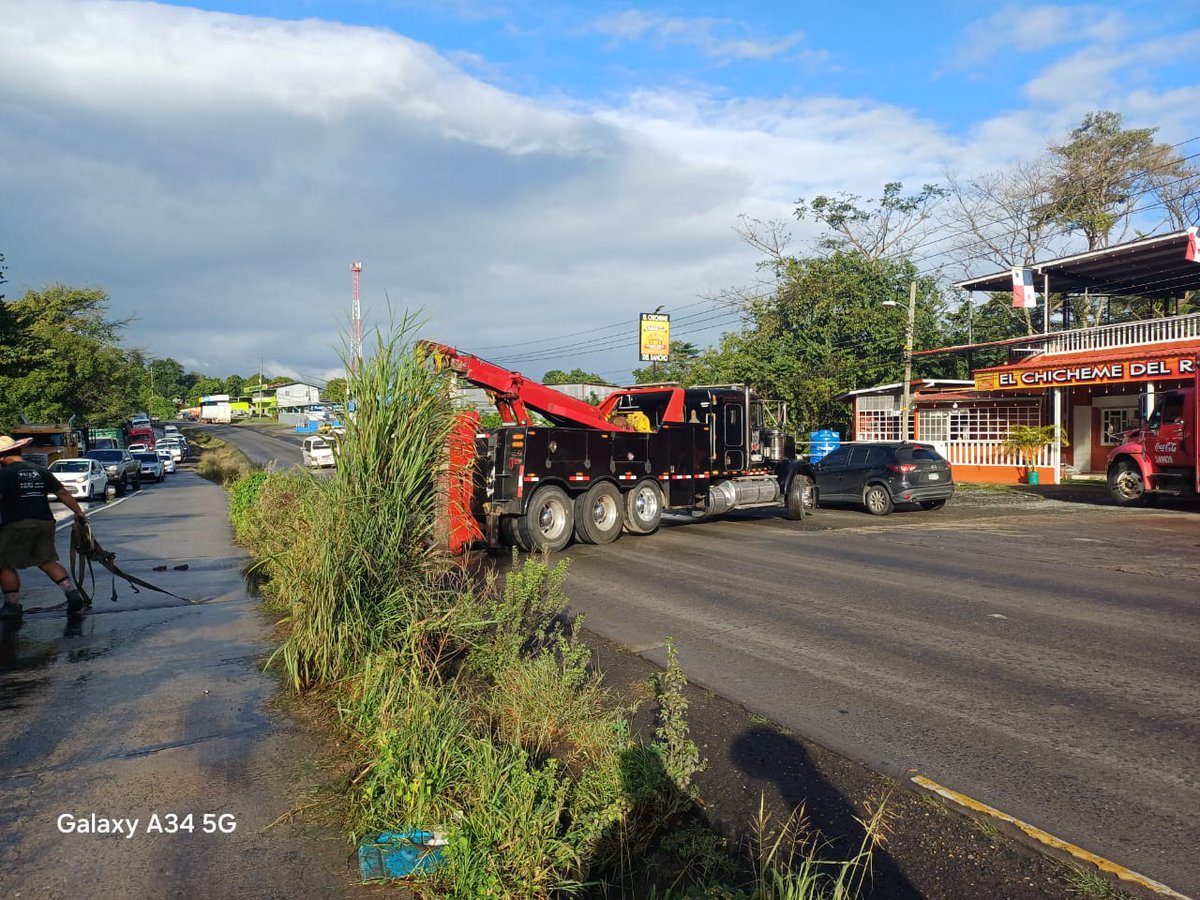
x=1045, y=839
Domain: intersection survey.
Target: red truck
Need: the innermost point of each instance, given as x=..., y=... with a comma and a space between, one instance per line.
x=139, y=434
x=1159, y=456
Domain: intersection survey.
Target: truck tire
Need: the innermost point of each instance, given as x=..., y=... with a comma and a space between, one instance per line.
x=643, y=507
x=510, y=534
x=599, y=514
x=799, y=497
x=1126, y=485
x=123, y=486
x=549, y=520
x=877, y=500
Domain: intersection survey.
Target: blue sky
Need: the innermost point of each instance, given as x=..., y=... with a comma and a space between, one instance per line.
x=517, y=171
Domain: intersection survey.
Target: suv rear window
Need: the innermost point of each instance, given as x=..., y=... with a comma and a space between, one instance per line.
x=905, y=454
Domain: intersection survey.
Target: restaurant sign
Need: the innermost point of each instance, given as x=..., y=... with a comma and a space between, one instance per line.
x=1093, y=373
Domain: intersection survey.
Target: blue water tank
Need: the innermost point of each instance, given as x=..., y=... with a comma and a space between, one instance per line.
x=824, y=442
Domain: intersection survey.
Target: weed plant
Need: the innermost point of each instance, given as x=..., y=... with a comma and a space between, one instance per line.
x=470, y=704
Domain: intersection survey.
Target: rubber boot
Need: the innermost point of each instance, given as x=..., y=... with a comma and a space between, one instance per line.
x=74, y=602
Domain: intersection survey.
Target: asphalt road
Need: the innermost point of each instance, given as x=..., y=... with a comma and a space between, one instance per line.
x=264, y=445
x=1043, y=658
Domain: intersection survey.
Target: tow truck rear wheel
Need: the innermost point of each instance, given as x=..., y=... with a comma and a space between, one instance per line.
x=1126, y=485
x=549, y=520
x=799, y=497
x=643, y=508
x=599, y=516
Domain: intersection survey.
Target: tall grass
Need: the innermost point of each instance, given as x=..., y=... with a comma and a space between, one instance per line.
x=369, y=581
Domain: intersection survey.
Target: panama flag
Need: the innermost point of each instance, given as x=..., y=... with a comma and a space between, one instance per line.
x=1023, y=292
x=1193, y=247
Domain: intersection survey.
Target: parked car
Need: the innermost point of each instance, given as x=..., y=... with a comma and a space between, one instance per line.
x=177, y=448
x=123, y=470
x=317, y=452
x=168, y=461
x=881, y=474
x=84, y=478
x=152, y=466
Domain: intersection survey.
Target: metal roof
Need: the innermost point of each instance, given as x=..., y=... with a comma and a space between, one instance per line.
x=1151, y=267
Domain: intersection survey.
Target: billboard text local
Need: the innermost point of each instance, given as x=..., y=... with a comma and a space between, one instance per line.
x=1107, y=373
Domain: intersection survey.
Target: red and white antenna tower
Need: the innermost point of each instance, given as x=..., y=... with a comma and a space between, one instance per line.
x=356, y=321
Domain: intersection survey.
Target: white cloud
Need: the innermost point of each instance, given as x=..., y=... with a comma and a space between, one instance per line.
x=1020, y=29
x=701, y=33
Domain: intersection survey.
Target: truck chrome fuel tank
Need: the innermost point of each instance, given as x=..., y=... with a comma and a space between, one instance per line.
x=742, y=492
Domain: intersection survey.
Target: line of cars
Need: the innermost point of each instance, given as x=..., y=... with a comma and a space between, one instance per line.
x=123, y=468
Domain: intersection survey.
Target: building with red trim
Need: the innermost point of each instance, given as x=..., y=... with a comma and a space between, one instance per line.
x=1090, y=381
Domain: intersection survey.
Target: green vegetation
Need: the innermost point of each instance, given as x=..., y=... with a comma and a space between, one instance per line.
x=468, y=701
x=216, y=460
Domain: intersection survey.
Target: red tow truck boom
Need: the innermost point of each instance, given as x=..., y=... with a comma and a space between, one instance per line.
x=514, y=394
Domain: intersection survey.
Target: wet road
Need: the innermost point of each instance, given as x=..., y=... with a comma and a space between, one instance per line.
x=1042, y=658
x=158, y=709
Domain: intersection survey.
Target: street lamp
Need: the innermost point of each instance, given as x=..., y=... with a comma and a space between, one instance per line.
x=906, y=398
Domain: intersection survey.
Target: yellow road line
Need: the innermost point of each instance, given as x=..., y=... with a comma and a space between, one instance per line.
x=1048, y=839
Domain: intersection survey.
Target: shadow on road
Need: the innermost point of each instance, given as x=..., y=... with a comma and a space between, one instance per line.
x=778, y=767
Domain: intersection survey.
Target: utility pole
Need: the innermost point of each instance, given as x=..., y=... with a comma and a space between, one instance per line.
x=906, y=400
x=355, y=321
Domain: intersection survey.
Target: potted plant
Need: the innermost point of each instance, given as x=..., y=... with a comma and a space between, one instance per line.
x=1026, y=440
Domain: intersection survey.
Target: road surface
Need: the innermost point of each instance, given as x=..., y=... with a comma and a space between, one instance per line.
x=1044, y=659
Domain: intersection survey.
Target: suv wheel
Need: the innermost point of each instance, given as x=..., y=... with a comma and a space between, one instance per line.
x=122, y=486
x=877, y=500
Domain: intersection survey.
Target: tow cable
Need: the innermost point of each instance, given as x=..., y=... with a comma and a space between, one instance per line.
x=86, y=551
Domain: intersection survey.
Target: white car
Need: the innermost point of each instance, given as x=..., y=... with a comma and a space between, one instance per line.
x=176, y=449
x=84, y=478
x=137, y=448
x=317, y=452
x=168, y=461
x=151, y=465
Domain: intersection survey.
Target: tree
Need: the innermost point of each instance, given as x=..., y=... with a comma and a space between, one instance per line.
x=824, y=331
x=335, y=391
x=165, y=376
x=680, y=368
x=205, y=386
x=234, y=386
x=80, y=369
x=575, y=376
x=888, y=227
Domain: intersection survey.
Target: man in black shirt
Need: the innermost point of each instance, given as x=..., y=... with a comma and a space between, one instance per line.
x=27, y=526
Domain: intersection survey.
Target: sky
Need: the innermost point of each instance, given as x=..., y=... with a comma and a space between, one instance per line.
x=524, y=178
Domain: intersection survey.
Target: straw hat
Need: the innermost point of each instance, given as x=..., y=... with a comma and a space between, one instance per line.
x=8, y=445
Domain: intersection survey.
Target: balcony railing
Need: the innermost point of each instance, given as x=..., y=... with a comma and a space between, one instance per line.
x=1108, y=337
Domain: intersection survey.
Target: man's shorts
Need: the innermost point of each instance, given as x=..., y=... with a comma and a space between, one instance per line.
x=26, y=543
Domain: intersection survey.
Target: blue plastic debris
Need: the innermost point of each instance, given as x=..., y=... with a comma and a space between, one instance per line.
x=398, y=854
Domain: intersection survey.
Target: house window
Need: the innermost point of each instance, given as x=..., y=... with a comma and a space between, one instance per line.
x=876, y=419
x=1113, y=422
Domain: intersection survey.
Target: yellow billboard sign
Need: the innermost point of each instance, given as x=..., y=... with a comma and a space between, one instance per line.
x=655, y=337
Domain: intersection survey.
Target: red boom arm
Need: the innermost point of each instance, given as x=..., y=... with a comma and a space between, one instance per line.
x=514, y=395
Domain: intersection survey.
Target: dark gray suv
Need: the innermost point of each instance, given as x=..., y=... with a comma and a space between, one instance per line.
x=881, y=474
x=123, y=470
